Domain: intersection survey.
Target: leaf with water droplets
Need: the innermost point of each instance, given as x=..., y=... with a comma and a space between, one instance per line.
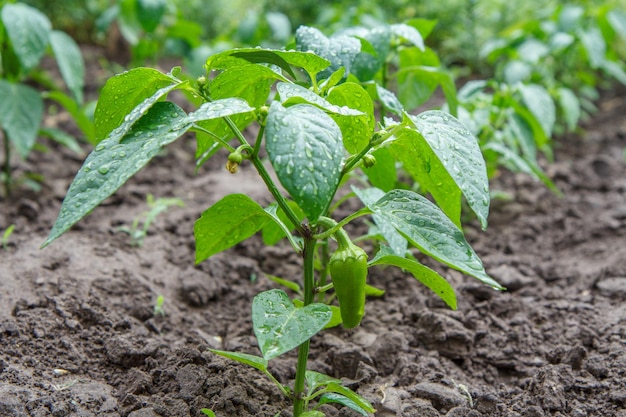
x=218, y=109
x=422, y=273
x=369, y=62
x=28, y=31
x=304, y=146
x=355, y=131
x=115, y=159
x=21, y=110
x=340, y=50
x=426, y=227
x=458, y=157
x=280, y=326
x=293, y=94
x=540, y=104
x=137, y=89
x=231, y=220
x=408, y=33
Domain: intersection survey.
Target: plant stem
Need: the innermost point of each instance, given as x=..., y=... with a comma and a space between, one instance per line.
x=299, y=404
x=7, y=164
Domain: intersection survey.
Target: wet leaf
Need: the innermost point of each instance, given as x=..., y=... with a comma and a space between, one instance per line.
x=540, y=104
x=426, y=227
x=422, y=273
x=335, y=398
x=304, y=146
x=122, y=94
x=117, y=158
x=279, y=326
x=293, y=93
x=408, y=33
x=231, y=220
x=29, y=31
x=21, y=110
x=355, y=131
x=340, y=50
x=459, y=154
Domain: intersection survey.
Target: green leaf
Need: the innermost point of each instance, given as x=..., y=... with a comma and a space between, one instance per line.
x=540, y=104
x=308, y=61
x=124, y=92
x=312, y=413
x=335, y=398
x=368, y=63
x=117, y=158
x=372, y=291
x=429, y=229
x=84, y=123
x=62, y=138
x=353, y=396
x=207, y=412
x=458, y=152
x=70, y=63
x=279, y=326
x=422, y=273
x=389, y=100
x=256, y=362
x=340, y=50
x=594, y=45
x=21, y=110
x=408, y=33
x=293, y=94
x=617, y=19
x=293, y=286
x=150, y=13
x=369, y=197
x=304, y=146
x=219, y=109
x=231, y=220
x=28, y=30
x=316, y=380
x=355, y=131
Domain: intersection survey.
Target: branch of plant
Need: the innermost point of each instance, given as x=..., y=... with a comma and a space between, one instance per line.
x=333, y=226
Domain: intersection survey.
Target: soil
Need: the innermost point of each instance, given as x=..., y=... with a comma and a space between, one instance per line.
x=79, y=337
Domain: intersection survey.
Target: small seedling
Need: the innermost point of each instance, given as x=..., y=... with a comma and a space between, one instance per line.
x=158, y=306
x=6, y=236
x=139, y=228
x=317, y=124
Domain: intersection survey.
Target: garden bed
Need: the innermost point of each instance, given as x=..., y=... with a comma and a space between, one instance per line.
x=79, y=335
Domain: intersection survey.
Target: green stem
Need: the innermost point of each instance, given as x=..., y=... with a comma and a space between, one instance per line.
x=299, y=403
x=333, y=227
x=7, y=164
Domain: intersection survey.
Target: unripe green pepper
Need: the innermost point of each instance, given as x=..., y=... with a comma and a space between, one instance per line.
x=348, y=270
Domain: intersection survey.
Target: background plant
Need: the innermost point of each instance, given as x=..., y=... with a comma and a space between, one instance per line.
x=317, y=124
x=25, y=36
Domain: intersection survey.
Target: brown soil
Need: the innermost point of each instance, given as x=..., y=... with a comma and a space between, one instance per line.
x=78, y=336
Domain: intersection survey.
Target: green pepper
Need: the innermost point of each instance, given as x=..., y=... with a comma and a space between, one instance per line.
x=348, y=270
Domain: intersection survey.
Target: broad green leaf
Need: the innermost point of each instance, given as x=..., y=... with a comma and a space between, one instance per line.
x=304, y=146
x=150, y=13
x=422, y=273
x=540, y=104
x=396, y=241
x=70, y=63
x=458, y=151
x=124, y=92
x=21, y=110
x=308, y=61
x=28, y=30
x=340, y=50
x=256, y=362
x=82, y=120
x=335, y=398
x=408, y=33
x=218, y=109
x=389, y=100
x=117, y=158
x=356, y=398
x=424, y=26
x=594, y=45
x=429, y=229
x=279, y=326
x=355, y=131
x=293, y=93
x=383, y=174
x=231, y=220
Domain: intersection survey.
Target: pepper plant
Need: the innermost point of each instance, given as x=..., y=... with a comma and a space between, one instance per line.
x=318, y=127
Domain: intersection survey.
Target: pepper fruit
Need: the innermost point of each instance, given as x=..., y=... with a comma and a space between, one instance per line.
x=348, y=271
